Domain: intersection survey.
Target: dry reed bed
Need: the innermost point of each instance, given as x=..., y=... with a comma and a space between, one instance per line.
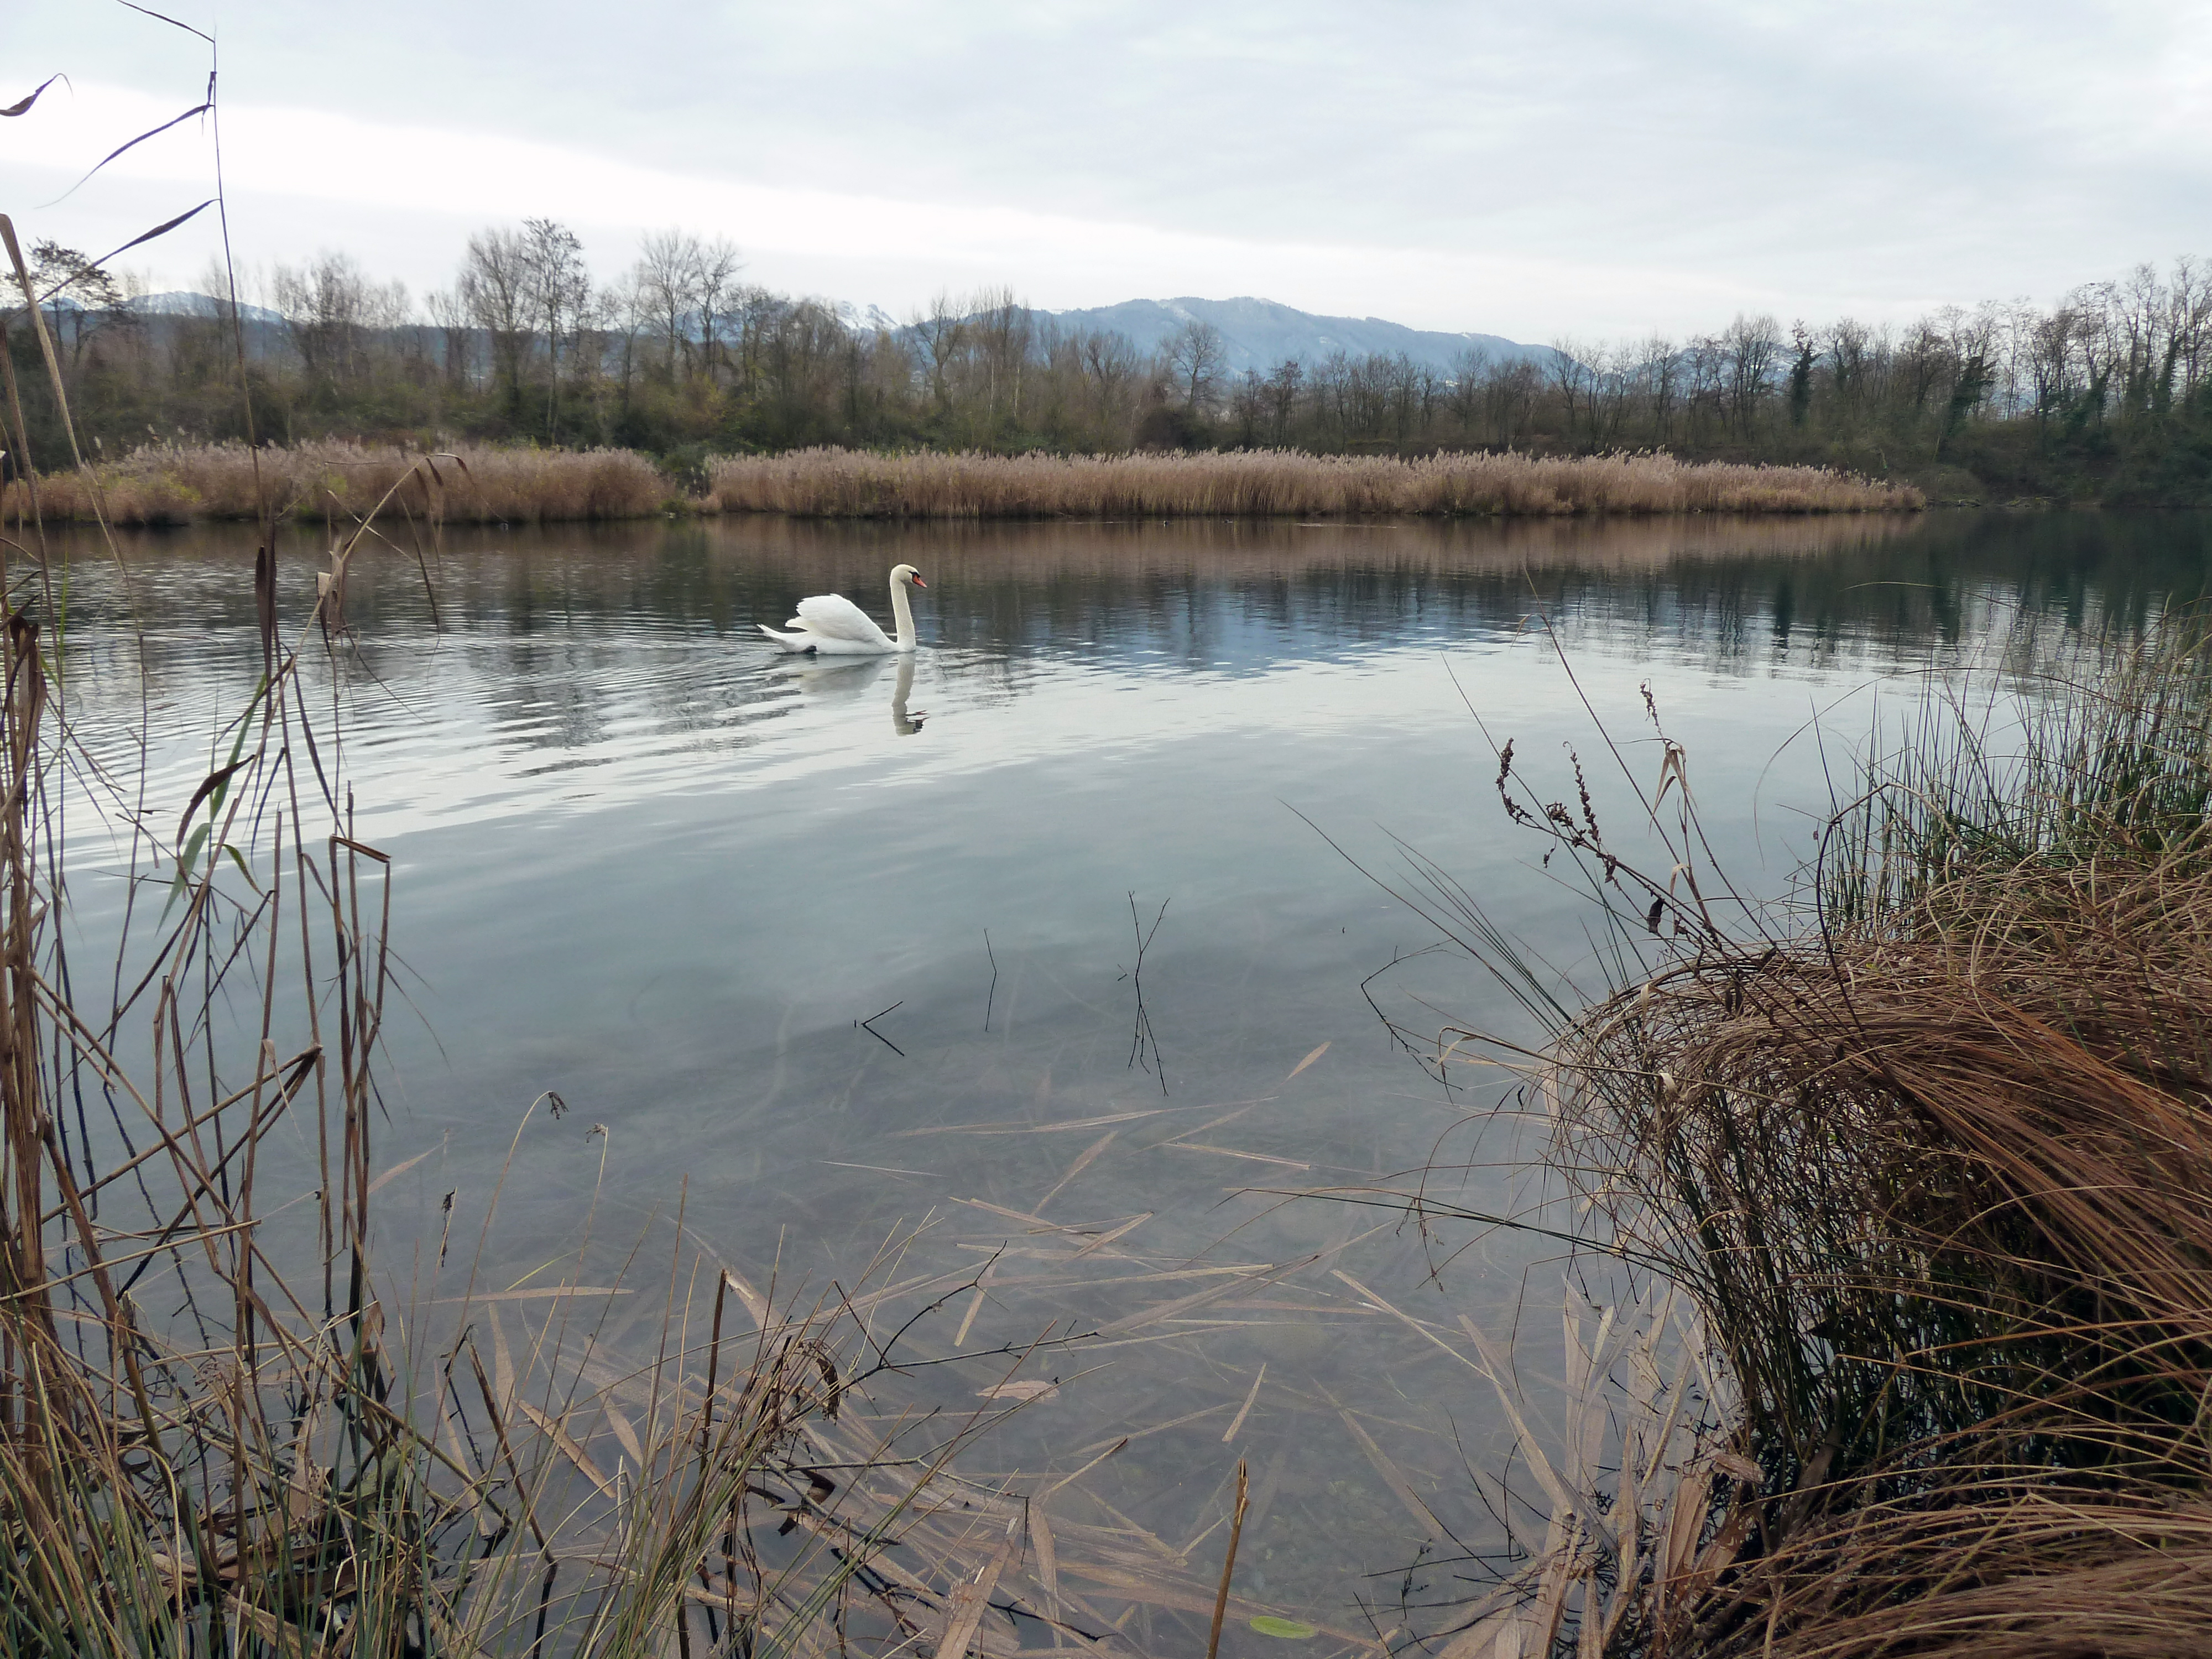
x=177, y=483
x=852, y=483
x=1936, y=1163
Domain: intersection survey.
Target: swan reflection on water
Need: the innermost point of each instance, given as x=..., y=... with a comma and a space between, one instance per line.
x=846, y=679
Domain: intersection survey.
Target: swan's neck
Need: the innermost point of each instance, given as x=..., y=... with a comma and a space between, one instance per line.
x=902, y=613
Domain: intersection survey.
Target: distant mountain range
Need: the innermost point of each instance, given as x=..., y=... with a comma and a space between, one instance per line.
x=1260, y=333
x=178, y=303
x=1257, y=334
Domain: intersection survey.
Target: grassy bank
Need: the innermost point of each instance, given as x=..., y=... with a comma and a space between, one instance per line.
x=1933, y=1155
x=342, y=483
x=1259, y=484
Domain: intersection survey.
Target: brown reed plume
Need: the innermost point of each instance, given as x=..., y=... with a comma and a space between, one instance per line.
x=854, y=484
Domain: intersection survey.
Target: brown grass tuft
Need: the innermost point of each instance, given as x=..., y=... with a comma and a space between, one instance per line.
x=1945, y=1185
x=1259, y=484
x=1934, y=1157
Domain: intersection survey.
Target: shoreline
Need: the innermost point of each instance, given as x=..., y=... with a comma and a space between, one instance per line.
x=175, y=485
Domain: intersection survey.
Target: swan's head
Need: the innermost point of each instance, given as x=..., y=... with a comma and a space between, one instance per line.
x=908, y=574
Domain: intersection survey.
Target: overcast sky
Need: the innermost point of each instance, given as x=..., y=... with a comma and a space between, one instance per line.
x=1584, y=168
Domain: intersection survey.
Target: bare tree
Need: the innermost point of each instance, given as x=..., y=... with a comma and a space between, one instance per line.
x=716, y=274
x=2189, y=323
x=559, y=289
x=1464, y=389
x=668, y=283
x=1751, y=345
x=1196, y=360
x=2049, y=355
x=450, y=316
x=627, y=313
x=1284, y=382
x=496, y=288
x=1248, y=407
x=1659, y=372
x=1334, y=397
x=1972, y=345
x=330, y=310
x=1612, y=387
x=1853, y=353
x=603, y=331
x=1513, y=399
x=1405, y=395
x=1109, y=367
x=1572, y=370
x=942, y=330
x=1002, y=330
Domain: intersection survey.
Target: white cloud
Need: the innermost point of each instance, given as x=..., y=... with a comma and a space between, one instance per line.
x=299, y=178
x=1597, y=168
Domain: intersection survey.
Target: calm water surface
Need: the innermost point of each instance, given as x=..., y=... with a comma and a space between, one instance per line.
x=644, y=862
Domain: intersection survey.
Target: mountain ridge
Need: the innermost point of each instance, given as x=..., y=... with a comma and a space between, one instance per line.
x=1258, y=333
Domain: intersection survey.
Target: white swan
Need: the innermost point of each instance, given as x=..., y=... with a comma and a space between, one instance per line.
x=832, y=624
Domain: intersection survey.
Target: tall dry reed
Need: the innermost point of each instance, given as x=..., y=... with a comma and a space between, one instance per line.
x=341, y=482
x=856, y=484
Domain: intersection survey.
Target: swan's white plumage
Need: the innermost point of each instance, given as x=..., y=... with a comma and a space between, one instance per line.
x=829, y=624
x=833, y=617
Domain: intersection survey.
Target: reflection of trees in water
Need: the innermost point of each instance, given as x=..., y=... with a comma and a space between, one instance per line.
x=572, y=618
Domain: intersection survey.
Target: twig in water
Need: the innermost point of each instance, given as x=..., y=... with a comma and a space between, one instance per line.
x=993, y=996
x=868, y=1025
x=1141, y=1036
x=1228, y=1565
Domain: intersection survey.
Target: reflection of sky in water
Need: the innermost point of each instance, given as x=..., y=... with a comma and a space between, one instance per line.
x=647, y=861
x=626, y=659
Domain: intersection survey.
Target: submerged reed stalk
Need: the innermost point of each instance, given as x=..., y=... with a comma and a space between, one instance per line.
x=1257, y=483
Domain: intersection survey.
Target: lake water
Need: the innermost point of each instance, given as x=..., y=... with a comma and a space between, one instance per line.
x=644, y=862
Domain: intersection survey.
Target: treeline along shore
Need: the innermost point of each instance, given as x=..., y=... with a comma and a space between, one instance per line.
x=2104, y=395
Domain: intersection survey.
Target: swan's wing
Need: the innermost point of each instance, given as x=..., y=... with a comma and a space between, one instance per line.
x=837, y=618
